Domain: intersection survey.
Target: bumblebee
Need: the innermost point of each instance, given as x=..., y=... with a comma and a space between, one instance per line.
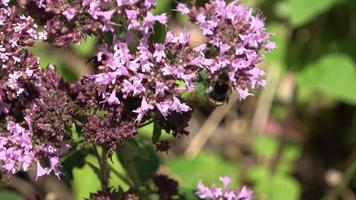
x=219, y=90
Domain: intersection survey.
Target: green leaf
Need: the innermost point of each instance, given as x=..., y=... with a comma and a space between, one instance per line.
x=205, y=167
x=334, y=75
x=138, y=168
x=300, y=12
x=137, y=149
x=9, y=194
x=267, y=146
x=277, y=187
x=279, y=36
x=188, y=193
x=68, y=74
x=114, y=180
x=160, y=32
x=147, y=131
x=163, y=6
x=87, y=46
x=74, y=159
x=85, y=180
x=157, y=131
x=74, y=134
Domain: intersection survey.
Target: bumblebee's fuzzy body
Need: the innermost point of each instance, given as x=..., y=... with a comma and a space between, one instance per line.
x=219, y=90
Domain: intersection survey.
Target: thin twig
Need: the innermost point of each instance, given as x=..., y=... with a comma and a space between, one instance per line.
x=145, y=124
x=265, y=100
x=209, y=127
x=290, y=102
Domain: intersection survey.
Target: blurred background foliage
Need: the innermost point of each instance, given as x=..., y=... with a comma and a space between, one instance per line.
x=294, y=139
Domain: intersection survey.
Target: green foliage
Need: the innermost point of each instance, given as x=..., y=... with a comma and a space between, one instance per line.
x=300, y=12
x=281, y=184
x=334, y=75
x=206, y=167
x=157, y=132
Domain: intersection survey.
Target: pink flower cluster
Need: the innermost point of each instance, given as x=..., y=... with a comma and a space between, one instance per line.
x=224, y=193
x=21, y=85
x=235, y=38
x=157, y=74
x=16, y=149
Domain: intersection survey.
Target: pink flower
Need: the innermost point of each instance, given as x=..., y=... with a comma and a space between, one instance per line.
x=179, y=106
x=142, y=110
x=183, y=8
x=69, y=13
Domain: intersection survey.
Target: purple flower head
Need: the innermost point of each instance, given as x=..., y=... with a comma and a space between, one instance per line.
x=16, y=149
x=51, y=154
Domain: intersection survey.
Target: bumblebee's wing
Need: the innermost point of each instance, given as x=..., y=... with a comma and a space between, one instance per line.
x=209, y=90
x=228, y=95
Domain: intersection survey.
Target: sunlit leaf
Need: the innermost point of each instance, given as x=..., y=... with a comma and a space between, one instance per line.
x=85, y=181
x=205, y=167
x=74, y=159
x=334, y=75
x=300, y=12
x=273, y=187
x=114, y=180
x=137, y=166
x=86, y=47
x=157, y=132
x=162, y=6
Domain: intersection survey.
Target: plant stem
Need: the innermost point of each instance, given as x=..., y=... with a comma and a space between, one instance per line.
x=130, y=167
x=122, y=177
x=104, y=170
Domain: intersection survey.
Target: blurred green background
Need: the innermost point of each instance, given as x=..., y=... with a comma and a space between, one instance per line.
x=294, y=139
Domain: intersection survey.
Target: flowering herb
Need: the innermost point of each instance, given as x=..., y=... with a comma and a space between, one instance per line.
x=137, y=80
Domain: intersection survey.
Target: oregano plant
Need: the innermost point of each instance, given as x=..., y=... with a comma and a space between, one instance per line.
x=137, y=80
